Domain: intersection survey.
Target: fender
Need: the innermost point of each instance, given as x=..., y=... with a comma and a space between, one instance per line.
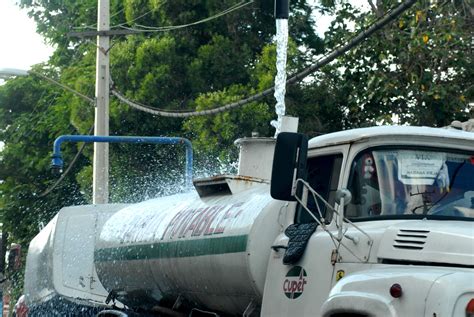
x=368, y=292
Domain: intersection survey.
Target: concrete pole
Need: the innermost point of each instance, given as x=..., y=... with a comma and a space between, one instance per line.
x=100, y=186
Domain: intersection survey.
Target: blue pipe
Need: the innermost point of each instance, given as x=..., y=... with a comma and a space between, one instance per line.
x=57, y=161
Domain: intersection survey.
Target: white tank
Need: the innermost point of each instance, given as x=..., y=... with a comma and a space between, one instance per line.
x=210, y=250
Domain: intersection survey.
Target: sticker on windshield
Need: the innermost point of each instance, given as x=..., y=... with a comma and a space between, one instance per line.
x=421, y=168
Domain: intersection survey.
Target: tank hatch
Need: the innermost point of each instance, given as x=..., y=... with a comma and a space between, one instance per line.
x=225, y=184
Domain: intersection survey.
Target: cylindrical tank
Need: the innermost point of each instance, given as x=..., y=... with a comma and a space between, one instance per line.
x=209, y=251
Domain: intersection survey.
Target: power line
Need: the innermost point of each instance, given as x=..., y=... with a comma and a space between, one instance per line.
x=356, y=40
x=123, y=30
x=139, y=17
x=94, y=26
x=145, y=28
x=77, y=93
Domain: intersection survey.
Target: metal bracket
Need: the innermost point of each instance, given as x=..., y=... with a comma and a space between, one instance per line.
x=250, y=309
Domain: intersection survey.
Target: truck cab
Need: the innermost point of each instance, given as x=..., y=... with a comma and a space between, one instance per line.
x=392, y=211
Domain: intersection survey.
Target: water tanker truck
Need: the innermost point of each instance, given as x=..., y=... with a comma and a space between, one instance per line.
x=366, y=222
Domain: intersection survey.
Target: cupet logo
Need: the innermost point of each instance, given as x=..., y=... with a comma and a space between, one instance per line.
x=294, y=283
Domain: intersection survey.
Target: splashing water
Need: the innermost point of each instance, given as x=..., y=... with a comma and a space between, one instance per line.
x=280, y=78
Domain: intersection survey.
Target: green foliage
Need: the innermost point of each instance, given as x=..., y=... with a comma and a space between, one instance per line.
x=33, y=116
x=216, y=134
x=419, y=68
x=218, y=73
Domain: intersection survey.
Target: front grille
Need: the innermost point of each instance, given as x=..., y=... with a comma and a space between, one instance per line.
x=410, y=239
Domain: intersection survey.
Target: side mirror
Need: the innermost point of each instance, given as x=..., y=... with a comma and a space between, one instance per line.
x=289, y=164
x=343, y=194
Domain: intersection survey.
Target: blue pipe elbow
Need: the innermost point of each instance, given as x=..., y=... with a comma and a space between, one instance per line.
x=57, y=164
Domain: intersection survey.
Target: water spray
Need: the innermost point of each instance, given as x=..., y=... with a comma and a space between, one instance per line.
x=281, y=19
x=57, y=162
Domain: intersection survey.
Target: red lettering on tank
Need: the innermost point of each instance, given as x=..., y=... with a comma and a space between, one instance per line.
x=185, y=222
x=196, y=219
x=228, y=215
x=220, y=225
x=210, y=217
x=294, y=286
x=173, y=222
x=203, y=221
x=179, y=223
x=200, y=221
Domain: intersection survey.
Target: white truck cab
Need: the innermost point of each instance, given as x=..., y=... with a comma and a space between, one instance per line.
x=402, y=244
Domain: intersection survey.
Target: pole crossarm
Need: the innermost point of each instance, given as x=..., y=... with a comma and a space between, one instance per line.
x=57, y=162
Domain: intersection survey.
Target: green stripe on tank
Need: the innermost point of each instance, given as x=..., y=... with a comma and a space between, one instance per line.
x=174, y=249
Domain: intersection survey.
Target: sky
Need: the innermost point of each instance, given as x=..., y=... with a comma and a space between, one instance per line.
x=20, y=45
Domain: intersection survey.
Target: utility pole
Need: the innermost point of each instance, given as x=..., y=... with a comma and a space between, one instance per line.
x=100, y=186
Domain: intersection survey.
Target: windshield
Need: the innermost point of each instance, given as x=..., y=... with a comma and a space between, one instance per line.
x=411, y=182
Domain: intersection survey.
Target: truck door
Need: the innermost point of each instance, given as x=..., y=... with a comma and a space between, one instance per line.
x=300, y=288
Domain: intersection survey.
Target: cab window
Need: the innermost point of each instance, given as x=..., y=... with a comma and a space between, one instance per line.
x=411, y=183
x=323, y=176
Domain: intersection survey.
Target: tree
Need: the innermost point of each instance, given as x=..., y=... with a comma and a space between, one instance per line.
x=418, y=70
x=169, y=70
x=33, y=115
x=176, y=70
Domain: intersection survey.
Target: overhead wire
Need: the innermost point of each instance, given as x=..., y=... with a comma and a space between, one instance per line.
x=137, y=18
x=146, y=29
x=150, y=29
x=326, y=59
x=77, y=93
x=94, y=26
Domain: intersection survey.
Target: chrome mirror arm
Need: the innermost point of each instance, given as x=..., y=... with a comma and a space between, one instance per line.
x=344, y=196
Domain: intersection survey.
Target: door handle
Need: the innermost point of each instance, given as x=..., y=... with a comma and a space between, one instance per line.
x=277, y=248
